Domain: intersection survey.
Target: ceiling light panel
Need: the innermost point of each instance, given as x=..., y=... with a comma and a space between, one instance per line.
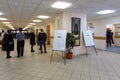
x=106, y=12
x=32, y=23
x=61, y=5
x=1, y=13
x=6, y=22
x=43, y=17
x=3, y=19
x=36, y=20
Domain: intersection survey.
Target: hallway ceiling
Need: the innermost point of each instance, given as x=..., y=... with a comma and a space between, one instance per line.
x=22, y=12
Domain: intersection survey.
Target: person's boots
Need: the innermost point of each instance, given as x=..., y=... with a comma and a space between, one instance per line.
x=32, y=51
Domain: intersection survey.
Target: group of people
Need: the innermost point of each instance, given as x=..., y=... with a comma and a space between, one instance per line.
x=109, y=37
x=8, y=42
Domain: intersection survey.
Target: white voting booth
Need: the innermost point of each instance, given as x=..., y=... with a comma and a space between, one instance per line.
x=59, y=43
x=88, y=40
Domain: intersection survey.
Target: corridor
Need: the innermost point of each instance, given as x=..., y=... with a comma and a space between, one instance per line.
x=37, y=66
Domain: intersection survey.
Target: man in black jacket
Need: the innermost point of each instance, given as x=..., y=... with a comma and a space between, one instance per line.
x=42, y=40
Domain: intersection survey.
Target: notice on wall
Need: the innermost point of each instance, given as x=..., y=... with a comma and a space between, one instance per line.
x=88, y=38
x=59, y=42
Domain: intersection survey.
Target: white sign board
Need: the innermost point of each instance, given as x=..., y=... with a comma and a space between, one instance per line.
x=88, y=38
x=59, y=42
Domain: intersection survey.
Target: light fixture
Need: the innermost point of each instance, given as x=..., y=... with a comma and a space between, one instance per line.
x=43, y=16
x=106, y=12
x=32, y=23
x=6, y=22
x=10, y=26
x=1, y=13
x=36, y=20
x=61, y=5
x=3, y=19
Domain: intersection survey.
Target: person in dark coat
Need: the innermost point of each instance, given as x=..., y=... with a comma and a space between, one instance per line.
x=112, y=37
x=42, y=40
x=32, y=40
x=8, y=43
x=108, y=37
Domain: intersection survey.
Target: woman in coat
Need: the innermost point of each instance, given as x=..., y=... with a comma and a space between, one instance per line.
x=32, y=41
x=8, y=43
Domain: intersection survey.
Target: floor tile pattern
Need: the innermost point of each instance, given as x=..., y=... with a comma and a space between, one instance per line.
x=37, y=66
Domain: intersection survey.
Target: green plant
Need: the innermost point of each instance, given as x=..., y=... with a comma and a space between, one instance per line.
x=70, y=41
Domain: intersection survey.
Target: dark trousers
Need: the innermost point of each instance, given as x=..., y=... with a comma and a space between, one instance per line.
x=108, y=42
x=32, y=48
x=20, y=48
x=8, y=53
x=112, y=41
x=42, y=43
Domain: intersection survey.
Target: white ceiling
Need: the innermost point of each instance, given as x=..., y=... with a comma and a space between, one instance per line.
x=21, y=12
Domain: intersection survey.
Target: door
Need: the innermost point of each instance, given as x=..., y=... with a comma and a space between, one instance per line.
x=48, y=33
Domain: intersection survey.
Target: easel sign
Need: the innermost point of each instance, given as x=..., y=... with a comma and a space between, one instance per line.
x=59, y=43
x=88, y=39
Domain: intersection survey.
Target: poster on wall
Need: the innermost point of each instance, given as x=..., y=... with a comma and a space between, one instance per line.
x=91, y=27
x=76, y=29
x=58, y=22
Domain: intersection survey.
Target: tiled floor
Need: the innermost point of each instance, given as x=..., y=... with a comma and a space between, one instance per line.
x=37, y=66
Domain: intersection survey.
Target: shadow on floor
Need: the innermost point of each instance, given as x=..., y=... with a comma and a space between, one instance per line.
x=112, y=48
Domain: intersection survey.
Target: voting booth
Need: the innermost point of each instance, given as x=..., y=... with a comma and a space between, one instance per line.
x=88, y=40
x=59, y=43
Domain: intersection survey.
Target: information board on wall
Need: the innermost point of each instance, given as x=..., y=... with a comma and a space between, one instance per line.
x=59, y=42
x=88, y=38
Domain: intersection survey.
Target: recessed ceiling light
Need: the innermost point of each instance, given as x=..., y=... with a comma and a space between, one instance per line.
x=43, y=16
x=6, y=22
x=36, y=20
x=1, y=13
x=61, y=5
x=32, y=23
x=106, y=12
x=3, y=18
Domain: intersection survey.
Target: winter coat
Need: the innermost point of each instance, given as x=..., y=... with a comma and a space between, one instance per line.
x=8, y=43
x=42, y=36
x=32, y=38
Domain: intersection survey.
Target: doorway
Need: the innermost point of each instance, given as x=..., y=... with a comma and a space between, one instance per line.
x=113, y=38
x=48, y=34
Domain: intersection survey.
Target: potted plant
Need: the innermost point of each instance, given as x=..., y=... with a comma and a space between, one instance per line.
x=70, y=42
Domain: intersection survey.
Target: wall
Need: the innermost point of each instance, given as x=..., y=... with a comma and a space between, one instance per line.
x=100, y=29
x=65, y=23
x=52, y=28
x=67, y=26
x=59, y=21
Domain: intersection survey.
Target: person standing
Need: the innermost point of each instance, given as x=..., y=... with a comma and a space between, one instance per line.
x=42, y=40
x=108, y=37
x=112, y=37
x=8, y=43
x=20, y=43
x=2, y=34
x=32, y=40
